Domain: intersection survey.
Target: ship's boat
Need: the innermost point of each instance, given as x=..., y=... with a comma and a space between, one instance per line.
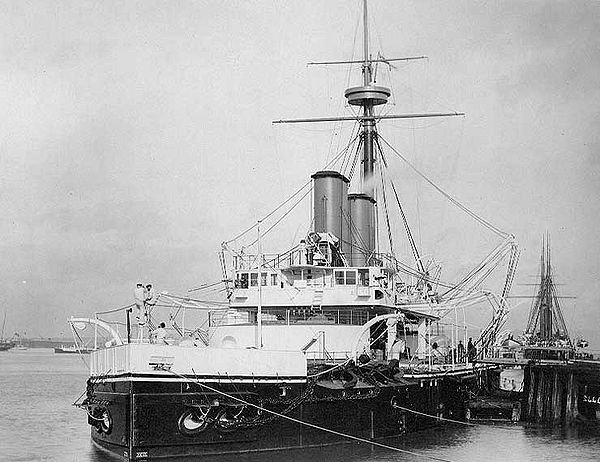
x=72, y=349
x=334, y=338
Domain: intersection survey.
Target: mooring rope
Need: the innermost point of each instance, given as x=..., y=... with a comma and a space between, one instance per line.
x=308, y=424
x=468, y=424
x=397, y=406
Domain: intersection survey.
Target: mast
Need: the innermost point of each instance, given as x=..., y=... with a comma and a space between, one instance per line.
x=546, y=322
x=362, y=206
x=367, y=96
x=259, y=338
x=3, y=324
x=359, y=236
x=365, y=39
x=368, y=124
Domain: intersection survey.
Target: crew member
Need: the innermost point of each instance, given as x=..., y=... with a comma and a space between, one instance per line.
x=139, y=295
x=159, y=334
x=461, y=351
x=151, y=297
x=471, y=350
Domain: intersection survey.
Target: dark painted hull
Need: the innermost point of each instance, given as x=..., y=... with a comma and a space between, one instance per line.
x=146, y=417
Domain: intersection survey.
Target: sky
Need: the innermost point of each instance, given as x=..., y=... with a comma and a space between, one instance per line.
x=137, y=136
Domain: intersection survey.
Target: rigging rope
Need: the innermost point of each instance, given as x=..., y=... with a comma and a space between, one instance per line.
x=331, y=162
x=189, y=299
x=472, y=214
x=385, y=206
x=206, y=286
x=116, y=309
x=355, y=159
x=75, y=333
x=413, y=245
x=282, y=217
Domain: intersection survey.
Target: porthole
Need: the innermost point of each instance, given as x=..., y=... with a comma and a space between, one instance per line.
x=228, y=417
x=102, y=420
x=194, y=421
x=106, y=424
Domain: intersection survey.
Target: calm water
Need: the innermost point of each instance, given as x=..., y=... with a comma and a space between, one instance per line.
x=38, y=423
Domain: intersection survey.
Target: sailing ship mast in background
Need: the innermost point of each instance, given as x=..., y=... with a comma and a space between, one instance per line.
x=546, y=324
x=5, y=344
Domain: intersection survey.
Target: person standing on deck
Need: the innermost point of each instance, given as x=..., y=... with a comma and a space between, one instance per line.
x=159, y=335
x=139, y=294
x=471, y=350
x=151, y=298
x=461, y=351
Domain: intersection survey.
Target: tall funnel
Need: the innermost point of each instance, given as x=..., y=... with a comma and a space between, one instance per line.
x=362, y=229
x=330, y=203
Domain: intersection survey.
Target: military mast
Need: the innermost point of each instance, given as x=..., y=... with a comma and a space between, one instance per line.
x=355, y=214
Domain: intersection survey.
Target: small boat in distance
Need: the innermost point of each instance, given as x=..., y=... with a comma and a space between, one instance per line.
x=73, y=349
x=17, y=342
x=5, y=344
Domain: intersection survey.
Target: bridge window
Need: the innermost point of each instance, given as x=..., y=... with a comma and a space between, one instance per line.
x=363, y=277
x=273, y=279
x=350, y=278
x=345, y=277
x=253, y=279
x=242, y=280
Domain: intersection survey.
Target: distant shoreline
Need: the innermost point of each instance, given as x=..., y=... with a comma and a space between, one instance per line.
x=47, y=343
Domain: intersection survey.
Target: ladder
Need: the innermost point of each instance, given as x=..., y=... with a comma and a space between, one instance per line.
x=317, y=301
x=320, y=335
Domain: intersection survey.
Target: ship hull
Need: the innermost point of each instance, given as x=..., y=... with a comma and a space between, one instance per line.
x=146, y=416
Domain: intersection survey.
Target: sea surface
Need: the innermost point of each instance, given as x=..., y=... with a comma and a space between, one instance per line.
x=39, y=423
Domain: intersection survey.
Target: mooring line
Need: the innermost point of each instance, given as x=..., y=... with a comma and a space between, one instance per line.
x=397, y=406
x=307, y=424
x=469, y=424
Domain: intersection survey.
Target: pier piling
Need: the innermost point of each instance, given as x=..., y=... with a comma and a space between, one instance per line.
x=551, y=395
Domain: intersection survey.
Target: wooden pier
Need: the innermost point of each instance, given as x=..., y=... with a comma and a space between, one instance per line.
x=559, y=385
x=557, y=392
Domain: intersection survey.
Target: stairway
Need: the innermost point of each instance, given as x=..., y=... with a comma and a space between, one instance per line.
x=317, y=300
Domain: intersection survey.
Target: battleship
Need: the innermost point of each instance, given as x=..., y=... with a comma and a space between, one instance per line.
x=335, y=338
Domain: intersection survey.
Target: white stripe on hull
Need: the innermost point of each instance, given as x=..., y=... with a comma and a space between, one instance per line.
x=199, y=379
